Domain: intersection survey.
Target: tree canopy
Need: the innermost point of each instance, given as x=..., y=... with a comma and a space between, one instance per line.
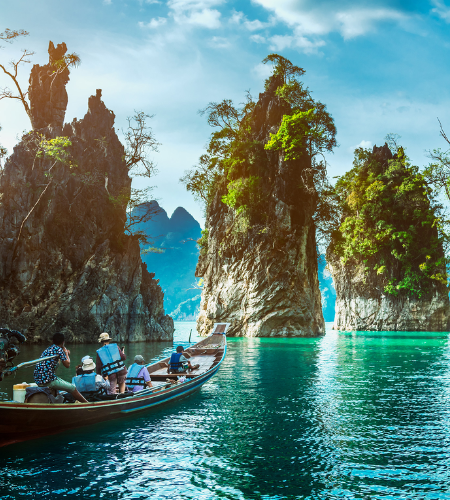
x=237, y=161
x=390, y=223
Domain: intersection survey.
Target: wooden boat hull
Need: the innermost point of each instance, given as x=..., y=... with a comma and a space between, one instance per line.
x=22, y=421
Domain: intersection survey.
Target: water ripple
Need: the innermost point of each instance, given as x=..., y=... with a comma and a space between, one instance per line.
x=348, y=416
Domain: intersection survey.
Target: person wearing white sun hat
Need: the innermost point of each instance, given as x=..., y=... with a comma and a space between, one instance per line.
x=110, y=363
x=89, y=381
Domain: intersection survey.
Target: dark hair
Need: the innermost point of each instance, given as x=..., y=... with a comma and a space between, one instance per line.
x=180, y=348
x=58, y=338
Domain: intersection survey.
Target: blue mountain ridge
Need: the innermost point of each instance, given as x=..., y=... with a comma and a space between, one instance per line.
x=175, y=259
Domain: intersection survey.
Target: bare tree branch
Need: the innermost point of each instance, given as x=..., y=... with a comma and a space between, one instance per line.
x=9, y=35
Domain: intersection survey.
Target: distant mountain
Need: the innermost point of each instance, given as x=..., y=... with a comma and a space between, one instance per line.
x=327, y=290
x=174, y=264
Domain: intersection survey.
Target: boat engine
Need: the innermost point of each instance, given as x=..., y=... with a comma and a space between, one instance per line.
x=9, y=348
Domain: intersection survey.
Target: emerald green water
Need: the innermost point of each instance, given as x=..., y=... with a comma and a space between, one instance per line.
x=348, y=416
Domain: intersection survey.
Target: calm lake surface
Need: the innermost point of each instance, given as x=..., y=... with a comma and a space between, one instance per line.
x=348, y=416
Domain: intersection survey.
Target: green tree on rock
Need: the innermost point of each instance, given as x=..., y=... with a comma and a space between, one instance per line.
x=236, y=160
x=390, y=226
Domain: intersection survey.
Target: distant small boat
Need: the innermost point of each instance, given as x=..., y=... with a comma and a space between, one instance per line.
x=25, y=421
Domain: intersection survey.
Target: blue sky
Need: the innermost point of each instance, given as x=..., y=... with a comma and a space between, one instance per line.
x=380, y=66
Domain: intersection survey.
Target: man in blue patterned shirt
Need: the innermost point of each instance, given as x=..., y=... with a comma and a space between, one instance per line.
x=44, y=372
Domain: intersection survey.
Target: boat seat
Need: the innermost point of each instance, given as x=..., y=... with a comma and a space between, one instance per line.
x=42, y=395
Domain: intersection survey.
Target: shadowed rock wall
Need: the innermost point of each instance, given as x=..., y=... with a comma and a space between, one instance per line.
x=73, y=269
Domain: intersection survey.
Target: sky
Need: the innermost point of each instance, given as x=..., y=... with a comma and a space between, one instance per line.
x=380, y=67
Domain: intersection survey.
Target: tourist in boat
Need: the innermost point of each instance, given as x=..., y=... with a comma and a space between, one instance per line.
x=44, y=372
x=178, y=363
x=79, y=368
x=138, y=377
x=110, y=363
x=89, y=381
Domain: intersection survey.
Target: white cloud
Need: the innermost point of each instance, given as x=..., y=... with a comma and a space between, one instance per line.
x=237, y=17
x=358, y=22
x=254, y=25
x=196, y=12
x=362, y=144
x=441, y=10
x=219, y=42
x=257, y=39
x=281, y=42
x=241, y=19
x=107, y=2
x=208, y=18
x=262, y=71
x=320, y=19
x=154, y=23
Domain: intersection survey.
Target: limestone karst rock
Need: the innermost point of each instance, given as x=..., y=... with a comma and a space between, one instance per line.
x=47, y=91
x=73, y=269
x=264, y=281
x=361, y=300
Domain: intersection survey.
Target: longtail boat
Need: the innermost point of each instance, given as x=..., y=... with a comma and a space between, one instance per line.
x=25, y=421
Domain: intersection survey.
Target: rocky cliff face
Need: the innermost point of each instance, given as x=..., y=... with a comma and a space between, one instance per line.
x=264, y=281
x=65, y=262
x=362, y=304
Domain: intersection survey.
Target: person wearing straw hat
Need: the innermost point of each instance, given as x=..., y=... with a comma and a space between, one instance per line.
x=110, y=363
x=138, y=377
x=89, y=381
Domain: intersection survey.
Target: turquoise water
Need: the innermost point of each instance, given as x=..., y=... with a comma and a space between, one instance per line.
x=346, y=416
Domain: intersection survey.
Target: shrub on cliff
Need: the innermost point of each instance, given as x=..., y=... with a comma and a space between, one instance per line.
x=390, y=224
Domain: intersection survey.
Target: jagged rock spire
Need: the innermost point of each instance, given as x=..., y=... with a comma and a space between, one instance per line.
x=47, y=91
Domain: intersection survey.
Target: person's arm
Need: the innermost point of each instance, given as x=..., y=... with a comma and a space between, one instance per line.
x=147, y=378
x=65, y=359
x=122, y=354
x=101, y=381
x=182, y=358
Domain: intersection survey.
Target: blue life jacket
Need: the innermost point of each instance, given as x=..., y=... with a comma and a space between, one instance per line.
x=110, y=357
x=133, y=375
x=175, y=362
x=85, y=382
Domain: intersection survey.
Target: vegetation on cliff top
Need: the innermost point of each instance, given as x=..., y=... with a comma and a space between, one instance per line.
x=236, y=162
x=390, y=223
